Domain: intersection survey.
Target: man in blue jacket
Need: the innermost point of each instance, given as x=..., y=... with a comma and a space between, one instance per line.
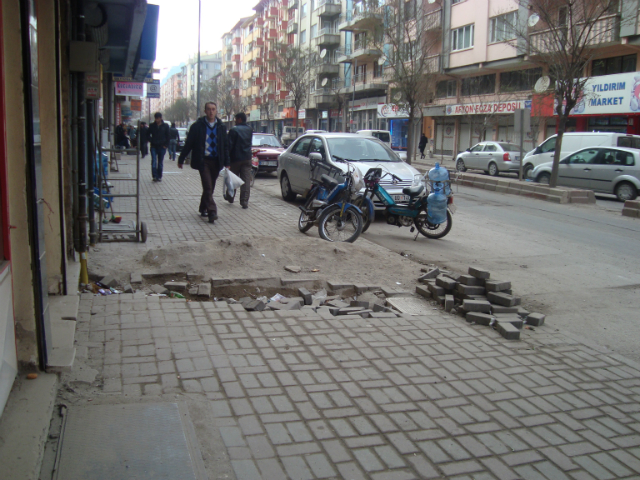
x=208, y=144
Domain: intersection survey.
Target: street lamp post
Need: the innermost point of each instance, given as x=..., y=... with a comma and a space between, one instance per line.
x=198, y=68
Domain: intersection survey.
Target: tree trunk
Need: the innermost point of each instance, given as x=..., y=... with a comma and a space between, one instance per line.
x=562, y=126
x=410, y=135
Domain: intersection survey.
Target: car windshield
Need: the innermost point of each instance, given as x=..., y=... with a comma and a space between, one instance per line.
x=265, y=140
x=361, y=150
x=383, y=136
x=509, y=147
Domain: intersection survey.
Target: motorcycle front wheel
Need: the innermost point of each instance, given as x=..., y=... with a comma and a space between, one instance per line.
x=430, y=230
x=306, y=220
x=337, y=226
x=367, y=216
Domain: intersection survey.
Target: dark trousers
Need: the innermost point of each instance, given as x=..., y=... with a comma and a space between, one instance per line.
x=209, y=174
x=243, y=170
x=157, y=161
x=144, y=149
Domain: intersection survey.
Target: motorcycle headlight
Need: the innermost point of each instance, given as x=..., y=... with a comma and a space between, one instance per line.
x=417, y=180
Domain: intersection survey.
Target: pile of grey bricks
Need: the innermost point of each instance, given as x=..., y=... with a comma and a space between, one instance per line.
x=479, y=299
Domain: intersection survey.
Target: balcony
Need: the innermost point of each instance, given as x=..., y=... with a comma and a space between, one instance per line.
x=271, y=96
x=260, y=22
x=329, y=8
x=236, y=41
x=235, y=74
x=235, y=92
x=235, y=57
x=605, y=31
x=327, y=37
x=283, y=25
x=361, y=51
x=433, y=20
x=272, y=34
x=257, y=101
x=271, y=76
x=259, y=62
x=228, y=47
x=326, y=69
x=271, y=55
x=288, y=102
x=366, y=83
x=293, y=4
x=258, y=81
x=259, y=42
x=361, y=20
x=283, y=94
x=292, y=27
x=324, y=97
x=271, y=12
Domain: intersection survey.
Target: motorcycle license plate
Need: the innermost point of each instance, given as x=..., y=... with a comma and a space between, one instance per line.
x=400, y=198
x=273, y=163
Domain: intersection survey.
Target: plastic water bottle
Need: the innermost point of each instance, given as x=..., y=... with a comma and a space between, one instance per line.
x=437, y=199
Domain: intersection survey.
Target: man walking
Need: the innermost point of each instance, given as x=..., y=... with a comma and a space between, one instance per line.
x=174, y=138
x=423, y=144
x=143, y=139
x=240, y=155
x=208, y=144
x=159, y=139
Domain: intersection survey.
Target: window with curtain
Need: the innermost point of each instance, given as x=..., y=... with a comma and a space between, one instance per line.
x=503, y=27
x=462, y=38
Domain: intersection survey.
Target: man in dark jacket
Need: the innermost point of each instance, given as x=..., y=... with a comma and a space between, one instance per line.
x=174, y=138
x=158, y=135
x=143, y=139
x=423, y=144
x=208, y=144
x=240, y=155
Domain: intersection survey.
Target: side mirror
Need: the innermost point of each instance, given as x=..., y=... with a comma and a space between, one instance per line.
x=537, y=151
x=468, y=149
x=315, y=157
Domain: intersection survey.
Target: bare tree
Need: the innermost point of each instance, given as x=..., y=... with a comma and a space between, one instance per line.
x=294, y=66
x=409, y=40
x=227, y=96
x=564, y=38
x=209, y=91
x=181, y=111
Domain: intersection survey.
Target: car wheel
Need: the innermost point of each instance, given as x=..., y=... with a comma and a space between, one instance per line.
x=285, y=187
x=460, y=165
x=544, y=178
x=493, y=169
x=626, y=191
x=526, y=169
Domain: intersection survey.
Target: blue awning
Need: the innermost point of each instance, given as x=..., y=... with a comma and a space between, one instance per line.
x=148, y=42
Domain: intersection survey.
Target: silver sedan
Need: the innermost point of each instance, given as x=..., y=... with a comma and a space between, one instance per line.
x=364, y=152
x=492, y=157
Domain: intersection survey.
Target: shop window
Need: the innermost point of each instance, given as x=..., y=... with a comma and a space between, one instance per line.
x=446, y=89
x=481, y=85
x=462, y=38
x=520, y=80
x=503, y=27
x=612, y=65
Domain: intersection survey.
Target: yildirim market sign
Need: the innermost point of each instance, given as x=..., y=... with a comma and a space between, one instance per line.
x=487, y=108
x=610, y=94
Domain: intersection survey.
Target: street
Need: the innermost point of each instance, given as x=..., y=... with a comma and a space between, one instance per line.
x=576, y=263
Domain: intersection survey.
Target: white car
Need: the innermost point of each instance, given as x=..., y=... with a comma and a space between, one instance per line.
x=363, y=151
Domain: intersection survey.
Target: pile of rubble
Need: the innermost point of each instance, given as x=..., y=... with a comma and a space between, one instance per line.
x=480, y=300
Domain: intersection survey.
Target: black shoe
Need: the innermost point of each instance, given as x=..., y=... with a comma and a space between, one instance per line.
x=230, y=199
x=212, y=218
x=155, y=179
x=204, y=213
x=158, y=180
x=244, y=205
x=214, y=215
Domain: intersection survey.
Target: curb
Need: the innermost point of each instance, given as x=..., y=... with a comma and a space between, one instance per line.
x=631, y=209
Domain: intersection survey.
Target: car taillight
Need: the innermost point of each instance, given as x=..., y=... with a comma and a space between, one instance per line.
x=506, y=157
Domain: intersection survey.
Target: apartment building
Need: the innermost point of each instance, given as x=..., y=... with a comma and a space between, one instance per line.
x=231, y=61
x=487, y=73
x=210, y=67
x=171, y=90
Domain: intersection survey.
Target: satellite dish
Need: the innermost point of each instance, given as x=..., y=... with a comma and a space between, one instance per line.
x=324, y=81
x=323, y=53
x=291, y=92
x=382, y=60
x=533, y=19
x=542, y=85
x=432, y=1
x=397, y=97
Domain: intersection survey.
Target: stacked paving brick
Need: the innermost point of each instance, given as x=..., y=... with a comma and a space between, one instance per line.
x=480, y=299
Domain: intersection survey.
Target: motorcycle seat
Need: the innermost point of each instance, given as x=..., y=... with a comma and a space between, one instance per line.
x=328, y=181
x=413, y=191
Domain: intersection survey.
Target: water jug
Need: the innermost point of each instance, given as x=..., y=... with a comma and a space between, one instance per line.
x=438, y=174
x=437, y=199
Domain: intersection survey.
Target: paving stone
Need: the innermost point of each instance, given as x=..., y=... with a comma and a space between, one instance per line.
x=394, y=291
x=336, y=285
x=176, y=286
x=480, y=318
x=436, y=290
x=204, y=290
x=500, y=298
x=497, y=285
x=535, y=319
x=306, y=295
x=476, y=306
x=360, y=288
x=513, y=319
x=255, y=306
x=508, y=331
x=479, y=273
x=448, y=303
x=128, y=288
x=293, y=268
x=446, y=282
x=136, y=278
x=109, y=281
x=433, y=273
x=423, y=291
x=469, y=290
x=159, y=289
x=471, y=281
x=501, y=309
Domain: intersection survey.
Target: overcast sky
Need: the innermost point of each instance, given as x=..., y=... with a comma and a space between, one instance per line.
x=178, y=28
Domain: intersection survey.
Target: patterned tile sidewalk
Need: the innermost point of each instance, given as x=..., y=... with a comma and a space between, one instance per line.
x=303, y=397
x=170, y=208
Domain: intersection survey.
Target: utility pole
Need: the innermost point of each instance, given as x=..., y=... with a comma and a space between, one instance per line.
x=353, y=95
x=198, y=69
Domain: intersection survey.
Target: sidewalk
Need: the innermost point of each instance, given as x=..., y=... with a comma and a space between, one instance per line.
x=295, y=395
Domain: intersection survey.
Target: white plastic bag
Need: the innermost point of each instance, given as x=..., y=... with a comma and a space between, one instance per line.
x=231, y=182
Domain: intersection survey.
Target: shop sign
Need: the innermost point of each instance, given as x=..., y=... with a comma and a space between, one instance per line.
x=391, y=110
x=254, y=115
x=133, y=89
x=148, y=79
x=302, y=114
x=610, y=94
x=136, y=105
x=487, y=108
x=365, y=103
x=278, y=115
x=325, y=114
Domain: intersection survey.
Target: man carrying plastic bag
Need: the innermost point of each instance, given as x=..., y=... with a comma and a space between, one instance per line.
x=240, y=155
x=231, y=183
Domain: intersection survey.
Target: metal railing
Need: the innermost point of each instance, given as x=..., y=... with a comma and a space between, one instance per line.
x=328, y=2
x=604, y=30
x=433, y=20
x=328, y=31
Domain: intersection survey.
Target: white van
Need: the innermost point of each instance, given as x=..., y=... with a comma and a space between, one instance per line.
x=382, y=135
x=289, y=135
x=574, y=141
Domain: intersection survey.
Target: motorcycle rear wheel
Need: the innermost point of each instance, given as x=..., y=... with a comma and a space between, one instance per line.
x=336, y=226
x=432, y=231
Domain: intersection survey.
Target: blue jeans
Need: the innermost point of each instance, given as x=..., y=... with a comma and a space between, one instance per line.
x=173, y=144
x=157, y=158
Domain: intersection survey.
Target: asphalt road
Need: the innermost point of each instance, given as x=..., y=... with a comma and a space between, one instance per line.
x=579, y=264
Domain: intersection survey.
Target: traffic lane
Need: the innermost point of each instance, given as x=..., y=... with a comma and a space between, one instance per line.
x=575, y=263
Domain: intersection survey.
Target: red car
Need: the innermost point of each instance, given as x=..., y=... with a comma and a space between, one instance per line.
x=265, y=148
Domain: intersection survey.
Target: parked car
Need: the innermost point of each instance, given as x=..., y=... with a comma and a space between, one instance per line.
x=364, y=152
x=183, y=137
x=382, y=135
x=266, y=149
x=492, y=157
x=289, y=135
x=315, y=131
x=606, y=170
x=574, y=141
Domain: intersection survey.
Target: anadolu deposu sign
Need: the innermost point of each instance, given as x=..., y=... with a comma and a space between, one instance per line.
x=487, y=108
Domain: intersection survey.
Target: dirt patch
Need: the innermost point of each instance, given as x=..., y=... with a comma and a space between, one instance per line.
x=246, y=256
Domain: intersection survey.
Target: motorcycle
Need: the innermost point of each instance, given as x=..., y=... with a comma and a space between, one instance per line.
x=327, y=203
x=431, y=214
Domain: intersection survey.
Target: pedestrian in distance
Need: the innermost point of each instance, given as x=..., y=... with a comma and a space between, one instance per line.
x=423, y=144
x=159, y=140
x=143, y=139
x=174, y=138
x=240, y=154
x=208, y=144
